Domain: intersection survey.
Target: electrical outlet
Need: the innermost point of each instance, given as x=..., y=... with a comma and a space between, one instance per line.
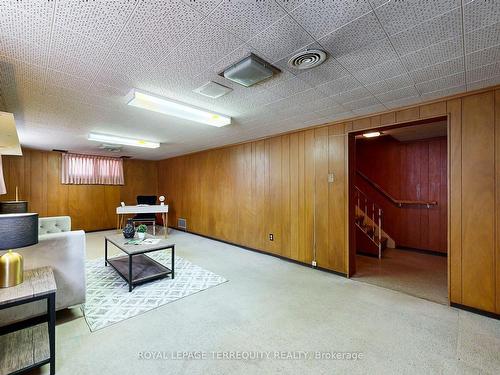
x=314, y=263
x=271, y=237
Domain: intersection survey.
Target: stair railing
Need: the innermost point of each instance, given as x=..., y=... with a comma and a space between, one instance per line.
x=368, y=218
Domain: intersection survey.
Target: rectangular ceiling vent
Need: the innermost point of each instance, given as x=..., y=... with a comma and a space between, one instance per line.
x=213, y=90
x=249, y=71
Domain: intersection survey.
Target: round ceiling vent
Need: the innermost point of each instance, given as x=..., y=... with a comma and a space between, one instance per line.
x=307, y=59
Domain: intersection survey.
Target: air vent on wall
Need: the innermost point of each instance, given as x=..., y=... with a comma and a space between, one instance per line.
x=182, y=223
x=307, y=59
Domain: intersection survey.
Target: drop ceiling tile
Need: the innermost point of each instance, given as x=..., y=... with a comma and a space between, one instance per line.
x=75, y=54
x=403, y=102
x=42, y=8
x=381, y=72
x=369, y=110
x=435, y=30
x=332, y=110
x=328, y=71
x=353, y=95
x=28, y=26
x=369, y=55
x=378, y=3
x=443, y=92
x=337, y=86
x=441, y=83
x=320, y=104
x=438, y=70
x=481, y=13
x=55, y=78
x=390, y=84
x=231, y=58
x=340, y=116
x=322, y=17
x=361, y=32
x=492, y=81
x=156, y=28
x=483, y=57
x=101, y=20
x=203, y=6
x=402, y=93
x=396, y=16
x=485, y=37
x=361, y=103
x=483, y=72
x=288, y=88
x=206, y=45
x=290, y=4
x=20, y=49
x=246, y=18
x=433, y=54
x=280, y=39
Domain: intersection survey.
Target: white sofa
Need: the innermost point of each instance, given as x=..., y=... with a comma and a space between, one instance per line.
x=64, y=251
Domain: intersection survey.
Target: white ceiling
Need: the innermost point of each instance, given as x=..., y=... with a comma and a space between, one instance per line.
x=417, y=132
x=66, y=65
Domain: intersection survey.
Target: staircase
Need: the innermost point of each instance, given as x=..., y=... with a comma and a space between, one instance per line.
x=368, y=220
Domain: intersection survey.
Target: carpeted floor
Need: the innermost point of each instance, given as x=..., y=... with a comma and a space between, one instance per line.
x=274, y=305
x=418, y=274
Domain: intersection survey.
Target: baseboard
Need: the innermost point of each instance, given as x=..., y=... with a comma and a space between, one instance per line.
x=264, y=252
x=421, y=251
x=475, y=311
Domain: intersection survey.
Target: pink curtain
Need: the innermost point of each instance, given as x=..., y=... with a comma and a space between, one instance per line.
x=3, y=190
x=91, y=170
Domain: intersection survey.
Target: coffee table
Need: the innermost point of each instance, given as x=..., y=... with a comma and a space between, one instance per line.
x=136, y=267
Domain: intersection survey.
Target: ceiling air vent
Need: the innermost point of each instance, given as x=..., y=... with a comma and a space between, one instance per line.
x=249, y=71
x=307, y=59
x=212, y=90
x=110, y=148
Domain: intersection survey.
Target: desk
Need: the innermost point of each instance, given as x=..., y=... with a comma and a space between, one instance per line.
x=133, y=210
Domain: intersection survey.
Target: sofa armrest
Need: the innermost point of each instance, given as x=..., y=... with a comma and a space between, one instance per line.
x=65, y=254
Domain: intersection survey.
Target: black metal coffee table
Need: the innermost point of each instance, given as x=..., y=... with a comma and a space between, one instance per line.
x=136, y=267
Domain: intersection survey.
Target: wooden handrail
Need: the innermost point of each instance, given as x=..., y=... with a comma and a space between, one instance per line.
x=397, y=202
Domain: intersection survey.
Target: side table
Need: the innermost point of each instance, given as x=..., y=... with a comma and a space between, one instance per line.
x=29, y=344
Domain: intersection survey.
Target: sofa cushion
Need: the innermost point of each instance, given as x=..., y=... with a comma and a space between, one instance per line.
x=57, y=224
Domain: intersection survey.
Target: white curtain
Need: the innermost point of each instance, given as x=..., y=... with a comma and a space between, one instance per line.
x=3, y=190
x=91, y=170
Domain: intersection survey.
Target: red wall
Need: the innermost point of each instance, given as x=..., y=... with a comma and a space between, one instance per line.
x=408, y=171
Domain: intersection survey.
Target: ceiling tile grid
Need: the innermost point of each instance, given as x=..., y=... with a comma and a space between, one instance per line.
x=68, y=64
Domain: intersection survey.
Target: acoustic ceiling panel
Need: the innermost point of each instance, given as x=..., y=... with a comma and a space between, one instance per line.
x=65, y=66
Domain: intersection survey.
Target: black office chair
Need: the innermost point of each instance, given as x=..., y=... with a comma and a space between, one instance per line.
x=143, y=218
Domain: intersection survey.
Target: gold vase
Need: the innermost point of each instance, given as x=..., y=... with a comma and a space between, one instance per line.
x=11, y=269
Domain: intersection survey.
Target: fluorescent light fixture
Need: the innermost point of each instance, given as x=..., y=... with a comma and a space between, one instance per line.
x=113, y=139
x=174, y=108
x=371, y=135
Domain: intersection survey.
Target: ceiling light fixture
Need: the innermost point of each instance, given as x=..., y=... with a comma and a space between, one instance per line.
x=113, y=139
x=371, y=134
x=177, y=109
x=249, y=71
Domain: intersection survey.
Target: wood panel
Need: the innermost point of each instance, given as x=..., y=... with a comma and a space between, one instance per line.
x=92, y=207
x=478, y=201
x=454, y=108
x=497, y=197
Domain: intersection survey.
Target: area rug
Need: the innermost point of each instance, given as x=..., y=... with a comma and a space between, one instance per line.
x=109, y=301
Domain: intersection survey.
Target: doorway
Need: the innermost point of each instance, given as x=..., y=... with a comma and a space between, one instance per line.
x=398, y=208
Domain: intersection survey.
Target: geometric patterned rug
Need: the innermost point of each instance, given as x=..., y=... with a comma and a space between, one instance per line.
x=109, y=301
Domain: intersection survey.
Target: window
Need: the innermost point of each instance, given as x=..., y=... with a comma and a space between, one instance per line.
x=91, y=170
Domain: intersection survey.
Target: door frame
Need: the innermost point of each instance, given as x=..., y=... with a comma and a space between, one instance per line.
x=351, y=170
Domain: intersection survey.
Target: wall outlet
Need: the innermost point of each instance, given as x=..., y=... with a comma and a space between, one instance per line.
x=271, y=237
x=314, y=263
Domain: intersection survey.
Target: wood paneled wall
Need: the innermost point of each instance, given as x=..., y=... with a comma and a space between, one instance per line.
x=91, y=207
x=415, y=170
x=279, y=185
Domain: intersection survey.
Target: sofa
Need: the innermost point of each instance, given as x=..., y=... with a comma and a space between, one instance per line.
x=64, y=251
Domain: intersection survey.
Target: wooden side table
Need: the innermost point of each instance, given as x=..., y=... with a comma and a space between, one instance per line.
x=31, y=343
